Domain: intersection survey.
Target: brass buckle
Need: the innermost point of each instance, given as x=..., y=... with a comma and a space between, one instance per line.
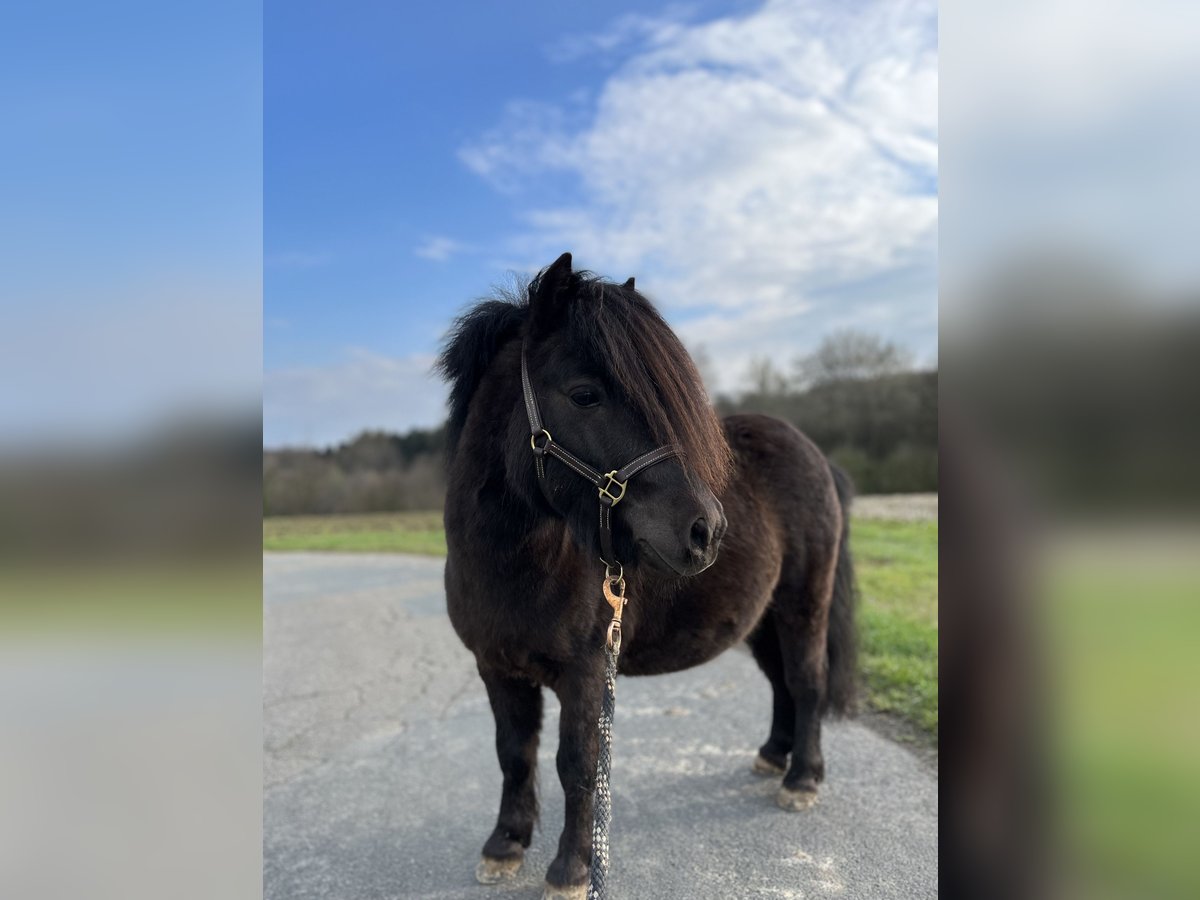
x=606, y=490
x=533, y=441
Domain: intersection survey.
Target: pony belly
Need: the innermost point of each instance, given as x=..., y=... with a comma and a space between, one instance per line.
x=718, y=610
x=682, y=649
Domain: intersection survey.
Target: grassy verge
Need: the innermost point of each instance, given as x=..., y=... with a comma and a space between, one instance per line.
x=897, y=571
x=418, y=532
x=898, y=617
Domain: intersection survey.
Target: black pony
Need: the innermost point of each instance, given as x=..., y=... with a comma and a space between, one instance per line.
x=523, y=574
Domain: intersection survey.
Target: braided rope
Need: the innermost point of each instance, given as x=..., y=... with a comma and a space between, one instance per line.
x=598, y=889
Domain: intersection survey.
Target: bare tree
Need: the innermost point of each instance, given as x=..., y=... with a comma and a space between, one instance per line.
x=850, y=355
x=764, y=379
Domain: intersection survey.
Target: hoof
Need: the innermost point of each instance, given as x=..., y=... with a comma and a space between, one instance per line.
x=576, y=892
x=494, y=871
x=763, y=766
x=796, y=799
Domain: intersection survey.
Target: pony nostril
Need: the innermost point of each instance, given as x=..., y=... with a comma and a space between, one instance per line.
x=701, y=535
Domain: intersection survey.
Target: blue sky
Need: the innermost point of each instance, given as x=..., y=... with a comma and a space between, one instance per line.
x=768, y=171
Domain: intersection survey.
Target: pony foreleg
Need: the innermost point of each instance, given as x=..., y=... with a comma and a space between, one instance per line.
x=517, y=706
x=580, y=694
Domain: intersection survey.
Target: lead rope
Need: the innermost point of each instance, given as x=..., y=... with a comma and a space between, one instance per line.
x=602, y=799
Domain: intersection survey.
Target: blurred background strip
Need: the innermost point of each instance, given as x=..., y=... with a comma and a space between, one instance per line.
x=130, y=385
x=1070, y=334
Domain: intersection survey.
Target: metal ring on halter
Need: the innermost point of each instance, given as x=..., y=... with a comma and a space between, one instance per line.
x=533, y=440
x=608, y=571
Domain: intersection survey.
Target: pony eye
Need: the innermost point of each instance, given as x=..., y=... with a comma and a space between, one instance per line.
x=585, y=397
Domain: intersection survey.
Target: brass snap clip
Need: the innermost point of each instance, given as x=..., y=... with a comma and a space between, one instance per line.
x=617, y=601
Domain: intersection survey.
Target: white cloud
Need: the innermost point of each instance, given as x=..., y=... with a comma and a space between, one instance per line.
x=631, y=28
x=747, y=170
x=322, y=405
x=532, y=138
x=438, y=248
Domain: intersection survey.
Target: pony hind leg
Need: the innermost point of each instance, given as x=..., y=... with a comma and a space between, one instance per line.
x=764, y=644
x=517, y=707
x=803, y=626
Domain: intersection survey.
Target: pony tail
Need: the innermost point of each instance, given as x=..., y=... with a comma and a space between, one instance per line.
x=841, y=643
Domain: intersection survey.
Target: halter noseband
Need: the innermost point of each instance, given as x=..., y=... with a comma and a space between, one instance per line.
x=611, y=486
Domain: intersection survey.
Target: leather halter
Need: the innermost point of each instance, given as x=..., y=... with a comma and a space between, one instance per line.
x=611, y=486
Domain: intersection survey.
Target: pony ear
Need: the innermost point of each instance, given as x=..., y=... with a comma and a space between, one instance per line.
x=628, y=285
x=546, y=298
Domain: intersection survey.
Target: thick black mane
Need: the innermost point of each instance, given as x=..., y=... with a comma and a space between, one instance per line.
x=470, y=348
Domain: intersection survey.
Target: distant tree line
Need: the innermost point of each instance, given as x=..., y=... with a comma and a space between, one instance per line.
x=860, y=400
x=374, y=472
x=856, y=396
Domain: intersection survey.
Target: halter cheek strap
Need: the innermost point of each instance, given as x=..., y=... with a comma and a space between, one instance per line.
x=610, y=486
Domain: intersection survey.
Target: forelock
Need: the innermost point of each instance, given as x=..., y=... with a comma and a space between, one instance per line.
x=649, y=364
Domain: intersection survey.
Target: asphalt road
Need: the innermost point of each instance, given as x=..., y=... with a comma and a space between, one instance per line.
x=381, y=779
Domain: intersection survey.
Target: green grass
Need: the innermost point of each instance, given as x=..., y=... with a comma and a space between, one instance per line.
x=419, y=532
x=898, y=618
x=897, y=573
